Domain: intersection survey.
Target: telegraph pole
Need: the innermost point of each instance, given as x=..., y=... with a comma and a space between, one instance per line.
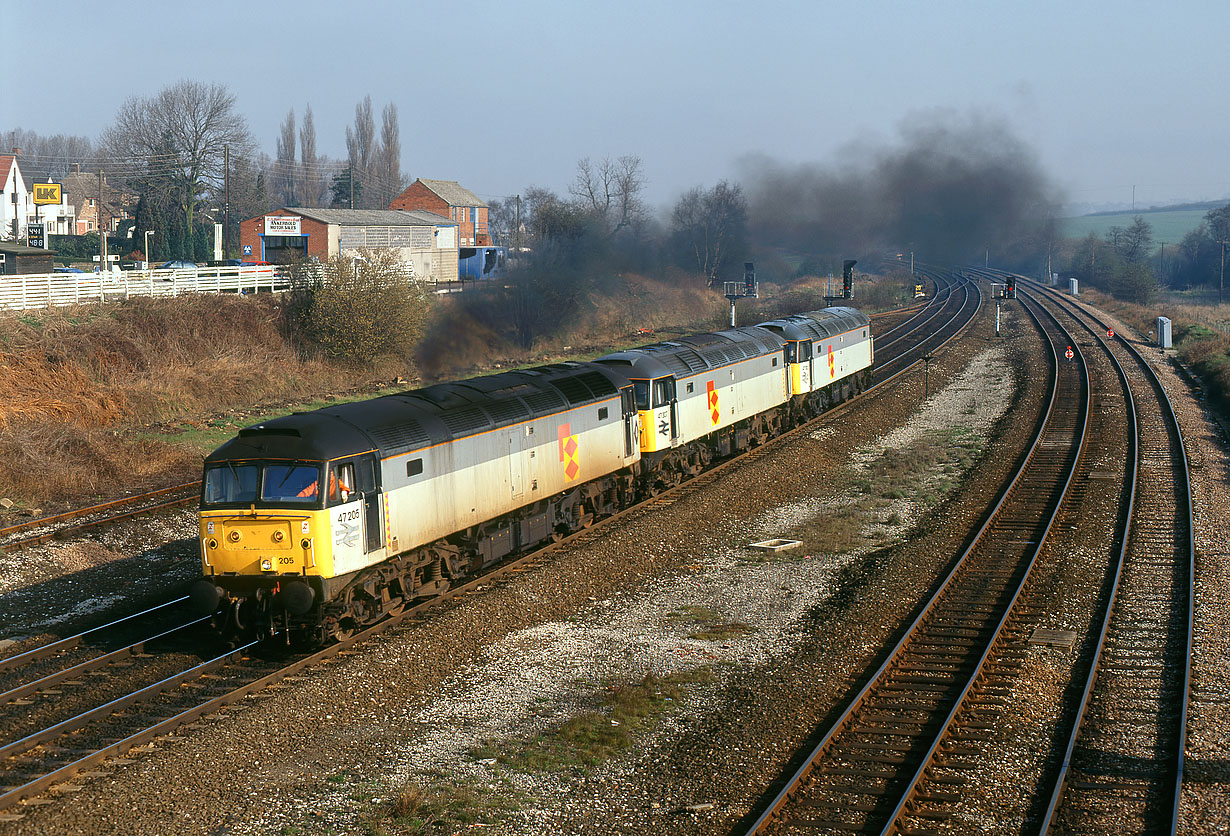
x=226, y=193
x=102, y=233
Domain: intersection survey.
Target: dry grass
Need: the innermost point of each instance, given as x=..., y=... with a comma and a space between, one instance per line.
x=1201, y=333
x=81, y=387
x=75, y=381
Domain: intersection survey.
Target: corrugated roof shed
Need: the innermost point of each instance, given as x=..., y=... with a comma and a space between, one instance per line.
x=452, y=193
x=373, y=217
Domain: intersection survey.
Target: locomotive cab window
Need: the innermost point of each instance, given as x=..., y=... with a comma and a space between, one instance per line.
x=342, y=483
x=627, y=400
x=298, y=482
x=641, y=391
x=663, y=391
x=804, y=351
x=231, y=483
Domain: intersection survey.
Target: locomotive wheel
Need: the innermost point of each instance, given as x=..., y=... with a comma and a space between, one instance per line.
x=345, y=629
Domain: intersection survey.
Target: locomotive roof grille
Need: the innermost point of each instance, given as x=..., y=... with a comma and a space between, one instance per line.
x=508, y=410
x=544, y=401
x=398, y=438
x=583, y=388
x=466, y=421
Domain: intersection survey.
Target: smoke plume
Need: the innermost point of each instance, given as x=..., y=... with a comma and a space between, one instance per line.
x=950, y=188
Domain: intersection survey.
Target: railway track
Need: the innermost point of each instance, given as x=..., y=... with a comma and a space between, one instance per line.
x=1123, y=759
x=51, y=753
x=886, y=760
x=41, y=530
x=912, y=746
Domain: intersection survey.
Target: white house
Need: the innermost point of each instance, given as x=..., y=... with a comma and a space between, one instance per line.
x=14, y=200
x=17, y=206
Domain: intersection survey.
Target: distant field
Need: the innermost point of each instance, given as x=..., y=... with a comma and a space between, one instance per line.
x=1168, y=227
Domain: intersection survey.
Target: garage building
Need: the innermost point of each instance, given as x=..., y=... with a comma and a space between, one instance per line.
x=425, y=241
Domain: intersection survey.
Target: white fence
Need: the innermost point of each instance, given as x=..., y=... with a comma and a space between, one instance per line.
x=40, y=290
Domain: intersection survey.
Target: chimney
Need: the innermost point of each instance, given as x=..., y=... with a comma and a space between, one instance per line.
x=76, y=168
x=16, y=152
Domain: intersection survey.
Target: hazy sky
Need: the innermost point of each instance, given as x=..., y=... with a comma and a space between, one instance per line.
x=504, y=95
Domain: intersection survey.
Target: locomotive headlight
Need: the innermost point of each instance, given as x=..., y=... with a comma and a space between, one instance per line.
x=212, y=544
x=278, y=536
x=266, y=564
x=234, y=535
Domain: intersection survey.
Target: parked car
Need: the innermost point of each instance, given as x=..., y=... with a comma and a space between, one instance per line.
x=66, y=270
x=227, y=262
x=178, y=264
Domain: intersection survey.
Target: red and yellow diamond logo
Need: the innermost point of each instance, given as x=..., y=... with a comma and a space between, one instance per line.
x=569, y=452
x=832, y=368
x=715, y=414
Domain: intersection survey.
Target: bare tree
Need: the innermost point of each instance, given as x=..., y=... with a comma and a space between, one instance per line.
x=611, y=192
x=175, y=141
x=310, y=174
x=359, y=147
x=388, y=158
x=707, y=224
x=285, y=173
x=47, y=158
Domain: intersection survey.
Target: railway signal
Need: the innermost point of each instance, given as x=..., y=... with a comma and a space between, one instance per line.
x=1110, y=332
x=1011, y=291
x=1069, y=353
x=847, y=278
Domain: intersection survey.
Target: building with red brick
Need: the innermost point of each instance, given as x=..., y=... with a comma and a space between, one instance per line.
x=424, y=240
x=447, y=198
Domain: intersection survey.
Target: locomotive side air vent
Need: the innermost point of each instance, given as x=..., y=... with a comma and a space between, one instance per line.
x=598, y=384
x=407, y=435
x=574, y=389
x=508, y=410
x=675, y=363
x=466, y=421
x=693, y=361
x=544, y=402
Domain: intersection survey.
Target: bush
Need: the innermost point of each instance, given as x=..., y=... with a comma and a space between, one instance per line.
x=358, y=310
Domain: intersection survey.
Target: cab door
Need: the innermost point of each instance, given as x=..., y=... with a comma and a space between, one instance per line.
x=627, y=402
x=666, y=407
x=357, y=501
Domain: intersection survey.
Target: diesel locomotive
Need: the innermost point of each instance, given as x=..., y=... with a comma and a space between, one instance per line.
x=319, y=523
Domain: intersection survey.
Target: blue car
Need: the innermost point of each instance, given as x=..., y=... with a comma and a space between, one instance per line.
x=177, y=265
x=66, y=270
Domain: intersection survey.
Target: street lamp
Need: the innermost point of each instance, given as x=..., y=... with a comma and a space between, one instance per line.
x=148, y=233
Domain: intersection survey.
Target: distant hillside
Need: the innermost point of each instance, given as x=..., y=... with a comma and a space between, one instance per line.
x=1169, y=224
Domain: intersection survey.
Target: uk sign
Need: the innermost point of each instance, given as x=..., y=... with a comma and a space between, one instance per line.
x=47, y=193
